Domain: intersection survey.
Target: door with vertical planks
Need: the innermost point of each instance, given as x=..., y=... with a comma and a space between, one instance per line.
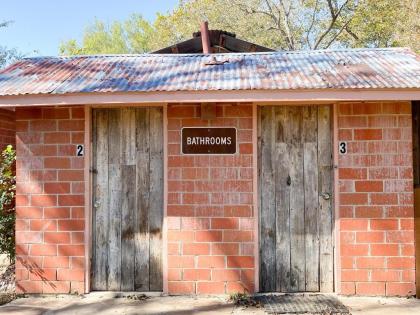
x=295, y=204
x=127, y=199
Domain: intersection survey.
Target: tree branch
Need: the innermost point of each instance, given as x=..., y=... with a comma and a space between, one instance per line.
x=312, y=23
x=334, y=16
x=351, y=33
x=287, y=23
x=338, y=33
x=282, y=24
x=270, y=13
x=5, y=23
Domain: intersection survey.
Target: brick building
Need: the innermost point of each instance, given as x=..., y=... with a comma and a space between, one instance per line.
x=317, y=194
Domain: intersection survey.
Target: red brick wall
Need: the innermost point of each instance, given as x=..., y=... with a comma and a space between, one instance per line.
x=210, y=208
x=49, y=200
x=7, y=128
x=211, y=220
x=376, y=199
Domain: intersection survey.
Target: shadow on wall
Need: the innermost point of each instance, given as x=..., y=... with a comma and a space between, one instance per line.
x=36, y=272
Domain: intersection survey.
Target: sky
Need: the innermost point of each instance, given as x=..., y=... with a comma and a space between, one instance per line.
x=39, y=26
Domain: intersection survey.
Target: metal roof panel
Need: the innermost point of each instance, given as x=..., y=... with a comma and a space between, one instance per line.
x=322, y=69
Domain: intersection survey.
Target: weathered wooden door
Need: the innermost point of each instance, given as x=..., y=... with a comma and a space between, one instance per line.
x=295, y=180
x=127, y=199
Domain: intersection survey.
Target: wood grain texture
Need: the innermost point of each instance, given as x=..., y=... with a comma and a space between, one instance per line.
x=310, y=169
x=142, y=257
x=417, y=237
x=115, y=200
x=282, y=201
x=415, y=108
x=326, y=257
x=100, y=200
x=294, y=170
x=128, y=188
x=128, y=182
x=156, y=199
x=297, y=199
x=267, y=204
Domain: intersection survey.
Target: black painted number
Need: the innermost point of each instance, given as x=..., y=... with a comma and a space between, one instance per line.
x=80, y=151
x=342, y=148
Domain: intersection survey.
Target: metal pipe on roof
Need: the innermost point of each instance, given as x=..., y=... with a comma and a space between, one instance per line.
x=205, y=37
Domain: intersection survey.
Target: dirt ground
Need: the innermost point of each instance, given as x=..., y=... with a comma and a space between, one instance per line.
x=106, y=303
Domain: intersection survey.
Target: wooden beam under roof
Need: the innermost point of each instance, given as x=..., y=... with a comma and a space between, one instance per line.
x=220, y=42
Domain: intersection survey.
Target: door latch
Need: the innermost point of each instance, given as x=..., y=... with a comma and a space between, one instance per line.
x=326, y=196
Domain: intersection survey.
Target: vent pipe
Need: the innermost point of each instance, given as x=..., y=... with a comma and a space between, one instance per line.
x=205, y=38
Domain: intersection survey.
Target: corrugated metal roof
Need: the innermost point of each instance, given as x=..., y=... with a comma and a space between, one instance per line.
x=323, y=69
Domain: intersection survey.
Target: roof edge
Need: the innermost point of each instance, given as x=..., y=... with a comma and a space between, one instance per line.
x=255, y=96
x=229, y=54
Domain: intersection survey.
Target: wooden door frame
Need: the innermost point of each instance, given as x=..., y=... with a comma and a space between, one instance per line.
x=415, y=126
x=255, y=106
x=335, y=233
x=88, y=160
x=336, y=202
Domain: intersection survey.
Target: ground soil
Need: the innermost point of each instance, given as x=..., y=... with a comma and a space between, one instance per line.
x=7, y=281
x=105, y=303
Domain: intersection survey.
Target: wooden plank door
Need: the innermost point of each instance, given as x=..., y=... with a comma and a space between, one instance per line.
x=295, y=189
x=127, y=199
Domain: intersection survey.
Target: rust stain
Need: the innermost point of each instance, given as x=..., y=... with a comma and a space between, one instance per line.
x=324, y=69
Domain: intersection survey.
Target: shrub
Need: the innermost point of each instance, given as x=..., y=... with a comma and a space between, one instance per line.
x=7, y=202
x=243, y=299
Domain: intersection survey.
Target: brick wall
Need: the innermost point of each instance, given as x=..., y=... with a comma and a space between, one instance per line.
x=210, y=212
x=211, y=235
x=7, y=128
x=376, y=199
x=49, y=200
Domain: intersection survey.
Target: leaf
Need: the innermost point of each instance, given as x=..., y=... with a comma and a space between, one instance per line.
x=7, y=194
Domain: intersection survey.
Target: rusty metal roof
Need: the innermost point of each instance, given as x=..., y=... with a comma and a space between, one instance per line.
x=324, y=69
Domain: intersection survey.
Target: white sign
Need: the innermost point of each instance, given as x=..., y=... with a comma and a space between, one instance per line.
x=80, y=150
x=342, y=147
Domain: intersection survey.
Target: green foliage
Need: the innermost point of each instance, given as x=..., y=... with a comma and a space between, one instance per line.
x=131, y=36
x=221, y=14
x=7, y=55
x=243, y=299
x=408, y=27
x=139, y=33
x=278, y=24
x=385, y=23
x=7, y=202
